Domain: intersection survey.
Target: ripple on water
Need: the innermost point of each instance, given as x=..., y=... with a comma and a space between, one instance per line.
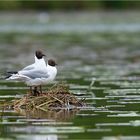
x=6, y=122
x=122, y=91
x=121, y=138
x=131, y=114
x=44, y=122
x=10, y=96
x=84, y=115
x=112, y=124
x=47, y=129
x=122, y=84
x=40, y=137
x=12, y=88
x=99, y=130
x=135, y=123
x=130, y=102
x=78, y=87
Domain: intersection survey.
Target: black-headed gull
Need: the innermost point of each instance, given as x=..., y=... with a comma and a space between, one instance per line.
x=37, y=74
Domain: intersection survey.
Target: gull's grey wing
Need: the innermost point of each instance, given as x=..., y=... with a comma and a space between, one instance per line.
x=34, y=74
x=30, y=67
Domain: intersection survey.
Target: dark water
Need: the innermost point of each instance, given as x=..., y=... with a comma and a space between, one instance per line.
x=98, y=55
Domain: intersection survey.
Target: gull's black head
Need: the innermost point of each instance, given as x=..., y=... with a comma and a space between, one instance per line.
x=51, y=62
x=39, y=54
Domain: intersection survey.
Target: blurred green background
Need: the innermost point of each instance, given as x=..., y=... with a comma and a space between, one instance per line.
x=68, y=5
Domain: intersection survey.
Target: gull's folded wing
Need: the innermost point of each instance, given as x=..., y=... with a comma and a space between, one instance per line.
x=34, y=74
x=30, y=67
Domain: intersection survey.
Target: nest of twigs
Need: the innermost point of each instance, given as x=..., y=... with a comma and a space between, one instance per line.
x=56, y=97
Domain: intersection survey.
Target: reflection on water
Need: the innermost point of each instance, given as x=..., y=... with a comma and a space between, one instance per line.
x=57, y=115
x=98, y=56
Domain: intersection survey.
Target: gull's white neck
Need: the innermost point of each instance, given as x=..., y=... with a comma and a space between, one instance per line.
x=52, y=71
x=40, y=62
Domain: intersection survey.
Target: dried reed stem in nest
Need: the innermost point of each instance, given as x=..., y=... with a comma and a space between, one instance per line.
x=57, y=96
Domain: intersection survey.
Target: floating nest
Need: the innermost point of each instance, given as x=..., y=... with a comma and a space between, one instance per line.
x=56, y=97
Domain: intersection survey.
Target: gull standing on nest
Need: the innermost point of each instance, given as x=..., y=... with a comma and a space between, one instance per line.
x=37, y=74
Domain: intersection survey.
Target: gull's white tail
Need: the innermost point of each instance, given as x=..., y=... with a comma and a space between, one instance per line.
x=18, y=77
